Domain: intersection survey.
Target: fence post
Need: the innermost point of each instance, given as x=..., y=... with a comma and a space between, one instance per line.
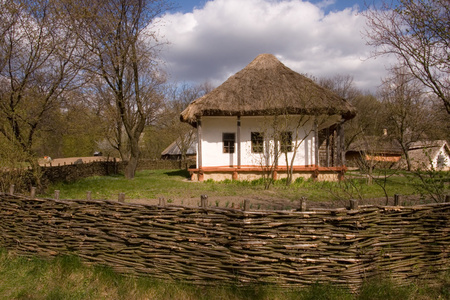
x=397, y=198
x=246, y=205
x=353, y=204
x=302, y=204
x=447, y=199
x=88, y=195
x=33, y=192
x=11, y=189
x=162, y=201
x=57, y=194
x=204, y=201
x=122, y=197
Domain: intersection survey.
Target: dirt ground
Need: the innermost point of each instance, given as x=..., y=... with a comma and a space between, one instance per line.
x=70, y=160
x=272, y=202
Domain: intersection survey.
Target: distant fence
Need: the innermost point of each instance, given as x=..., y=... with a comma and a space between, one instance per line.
x=159, y=164
x=52, y=173
x=207, y=245
x=77, y=171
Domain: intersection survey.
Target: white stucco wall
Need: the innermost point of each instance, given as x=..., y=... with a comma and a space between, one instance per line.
x=444, y=164
x=212, y=146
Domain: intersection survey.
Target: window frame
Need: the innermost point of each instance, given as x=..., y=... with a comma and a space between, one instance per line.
x=228, y=142
x=257, y=142
x=286, y=141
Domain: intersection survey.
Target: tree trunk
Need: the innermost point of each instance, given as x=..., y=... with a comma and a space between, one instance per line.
x=130, y=169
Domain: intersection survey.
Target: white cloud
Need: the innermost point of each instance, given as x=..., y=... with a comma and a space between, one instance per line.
x=216, y=41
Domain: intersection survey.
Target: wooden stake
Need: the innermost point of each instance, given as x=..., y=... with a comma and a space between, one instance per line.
x=302, y=204
x=122, y=197
x=353, y=204
x=203, y=201
x=246, y=205
x=33, y=192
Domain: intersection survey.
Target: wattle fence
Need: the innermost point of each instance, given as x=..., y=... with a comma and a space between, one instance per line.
x=207, y=245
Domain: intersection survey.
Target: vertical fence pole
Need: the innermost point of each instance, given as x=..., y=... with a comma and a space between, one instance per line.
x=122, y=197
x=397, y=198
x=89, y=195
x=302, y=204
x=246, y=205
x=162, y=201
x=11, y=189
x=57, y=194
x=204, y=201
x=33, y=192
x=353, y=204
x=447, y=199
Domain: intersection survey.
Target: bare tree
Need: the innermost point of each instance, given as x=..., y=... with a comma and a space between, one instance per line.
x=121, y=43
x=184, y=95
x=342, y=85
x=406, y=111
x=416, y=32
x=280, y=138
x=38, y=64
x=369, y=110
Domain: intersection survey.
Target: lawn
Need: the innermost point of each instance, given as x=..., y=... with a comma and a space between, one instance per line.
x=66, y=277
x=173, y=185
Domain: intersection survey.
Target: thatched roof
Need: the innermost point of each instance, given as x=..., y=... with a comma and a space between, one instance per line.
x=382, y=145
x=174, y=148
x=267, y=87
x=422, y=153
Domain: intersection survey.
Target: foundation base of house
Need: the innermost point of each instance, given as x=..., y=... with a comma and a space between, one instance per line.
x=254, y=173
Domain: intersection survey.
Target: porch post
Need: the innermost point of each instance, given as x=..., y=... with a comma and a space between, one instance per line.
x=342, y=142
x=316, y=143
x=199, y=143
x=327, y=133
x=340, y=145
x=238, y=142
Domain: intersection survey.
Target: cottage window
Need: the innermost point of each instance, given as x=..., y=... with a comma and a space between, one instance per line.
x=228, y=142
x=257, y=139
x=286, y=141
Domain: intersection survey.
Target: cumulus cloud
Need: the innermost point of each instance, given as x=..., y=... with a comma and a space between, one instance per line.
x=216, y=41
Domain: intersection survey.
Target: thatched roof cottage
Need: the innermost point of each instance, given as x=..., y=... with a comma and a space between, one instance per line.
x=268, y=118
x=428, y=155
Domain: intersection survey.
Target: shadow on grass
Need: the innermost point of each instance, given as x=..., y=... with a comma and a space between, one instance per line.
x=180, y=173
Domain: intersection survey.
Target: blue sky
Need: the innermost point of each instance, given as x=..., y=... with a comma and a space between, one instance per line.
x=186, y=6
x=220, y=37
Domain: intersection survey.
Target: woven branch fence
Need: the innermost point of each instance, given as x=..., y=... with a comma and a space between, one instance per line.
x=220, y=246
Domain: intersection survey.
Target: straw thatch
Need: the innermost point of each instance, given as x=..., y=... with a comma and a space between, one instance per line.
x=267, y=87
x=173, y=151
x=423, y=153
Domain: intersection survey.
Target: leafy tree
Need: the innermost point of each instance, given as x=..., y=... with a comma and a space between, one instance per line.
x=38, y=64
x=121, y=42
x=417, y=33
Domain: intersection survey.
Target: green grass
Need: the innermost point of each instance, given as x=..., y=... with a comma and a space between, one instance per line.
x=174, y=185
x=66, y=277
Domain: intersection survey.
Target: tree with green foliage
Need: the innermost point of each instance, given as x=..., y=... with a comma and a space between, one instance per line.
x=39, y=62
x=122, y=45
